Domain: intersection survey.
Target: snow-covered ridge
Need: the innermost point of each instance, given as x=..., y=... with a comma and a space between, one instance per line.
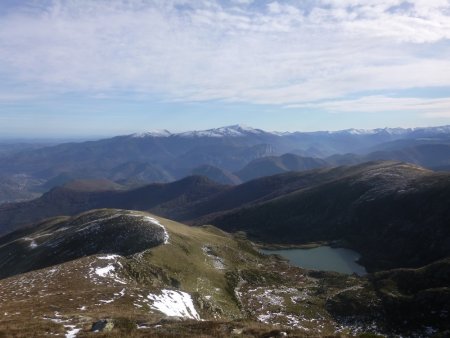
x=234, y=131
x=153, y=133
x=391, y=131
x=228, y=131
x=242, y=130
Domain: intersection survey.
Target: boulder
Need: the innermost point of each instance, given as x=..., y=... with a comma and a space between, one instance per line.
x=104, y=325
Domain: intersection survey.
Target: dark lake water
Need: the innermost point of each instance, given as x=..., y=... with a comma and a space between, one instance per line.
x=323, y=258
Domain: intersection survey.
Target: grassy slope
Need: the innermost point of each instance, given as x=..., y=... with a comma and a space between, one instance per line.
x=250, y=289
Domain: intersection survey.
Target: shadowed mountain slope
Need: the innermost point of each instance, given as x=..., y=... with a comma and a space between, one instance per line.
x=187, y=199
x=395, y=214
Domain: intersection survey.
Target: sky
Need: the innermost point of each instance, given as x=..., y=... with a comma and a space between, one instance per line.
x=107, y=67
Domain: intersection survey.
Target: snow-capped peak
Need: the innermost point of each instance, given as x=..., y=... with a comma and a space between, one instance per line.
x=153, y=133
x=234, y=130
x=355, y=131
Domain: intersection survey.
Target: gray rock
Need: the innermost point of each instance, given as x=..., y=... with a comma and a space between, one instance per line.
x=104, y=325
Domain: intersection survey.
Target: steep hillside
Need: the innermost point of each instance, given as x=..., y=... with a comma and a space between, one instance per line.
x=400, y=208
x=161, y=278
x=257, y=191
x=272, y=165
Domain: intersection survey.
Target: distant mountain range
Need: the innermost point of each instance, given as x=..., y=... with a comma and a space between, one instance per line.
x=229, y=155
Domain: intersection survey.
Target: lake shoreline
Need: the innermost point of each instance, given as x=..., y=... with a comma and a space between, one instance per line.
x=319, y=256
x=310, y=245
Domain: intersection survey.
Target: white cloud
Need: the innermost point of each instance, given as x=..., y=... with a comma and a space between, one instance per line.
x=200, y=50
x=378, y=103
x=438, y=114
x=242, y=2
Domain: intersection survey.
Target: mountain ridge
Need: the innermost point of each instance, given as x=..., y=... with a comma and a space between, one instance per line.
x=237, y=130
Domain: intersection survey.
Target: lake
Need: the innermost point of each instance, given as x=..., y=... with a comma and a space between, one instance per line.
x=323, y=258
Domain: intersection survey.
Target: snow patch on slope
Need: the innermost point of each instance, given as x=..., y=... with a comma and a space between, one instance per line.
x=72, y=331
x=107, y=270
x=174, y=303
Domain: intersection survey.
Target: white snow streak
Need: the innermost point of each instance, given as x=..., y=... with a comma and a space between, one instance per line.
x=72, y=333
x=109, y=257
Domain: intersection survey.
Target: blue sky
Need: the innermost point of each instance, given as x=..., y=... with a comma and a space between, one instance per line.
x=81, y=67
